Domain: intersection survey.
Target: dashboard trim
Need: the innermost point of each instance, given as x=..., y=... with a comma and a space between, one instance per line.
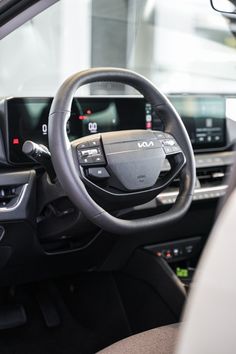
x=199, y=194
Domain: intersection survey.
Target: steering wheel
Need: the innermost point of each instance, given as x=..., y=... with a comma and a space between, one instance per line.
x=121, y=168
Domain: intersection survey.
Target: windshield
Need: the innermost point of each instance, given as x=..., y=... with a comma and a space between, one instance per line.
x=181, y=45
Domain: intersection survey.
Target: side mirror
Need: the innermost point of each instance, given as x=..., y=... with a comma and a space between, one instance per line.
x=227, y=6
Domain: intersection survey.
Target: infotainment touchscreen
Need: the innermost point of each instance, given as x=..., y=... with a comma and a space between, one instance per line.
x=204, y=118
x=27, y=119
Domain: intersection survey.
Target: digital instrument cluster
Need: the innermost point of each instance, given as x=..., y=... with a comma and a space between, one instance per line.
x=27, y=119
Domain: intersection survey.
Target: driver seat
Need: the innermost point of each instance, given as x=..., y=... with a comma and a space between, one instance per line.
x=159, y=340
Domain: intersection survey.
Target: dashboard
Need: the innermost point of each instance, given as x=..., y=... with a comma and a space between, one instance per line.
x=37, y=220
x=205, y=117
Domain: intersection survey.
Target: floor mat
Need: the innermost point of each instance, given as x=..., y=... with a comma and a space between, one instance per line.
x=91, y=318
x=95, y=310
x=36, y=338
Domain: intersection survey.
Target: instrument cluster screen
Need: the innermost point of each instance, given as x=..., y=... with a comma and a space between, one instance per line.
x=27, y=119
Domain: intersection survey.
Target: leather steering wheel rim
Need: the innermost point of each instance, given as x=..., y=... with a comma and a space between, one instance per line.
x=67, y=172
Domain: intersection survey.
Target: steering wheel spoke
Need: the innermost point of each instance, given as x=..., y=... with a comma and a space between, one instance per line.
x=177, y=162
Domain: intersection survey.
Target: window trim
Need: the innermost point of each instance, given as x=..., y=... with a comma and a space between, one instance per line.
x=17, y=15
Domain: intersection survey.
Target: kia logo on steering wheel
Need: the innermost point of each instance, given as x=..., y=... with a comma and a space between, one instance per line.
x=145, y=144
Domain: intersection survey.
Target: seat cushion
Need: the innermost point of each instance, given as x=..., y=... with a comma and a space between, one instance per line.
x=155, y=341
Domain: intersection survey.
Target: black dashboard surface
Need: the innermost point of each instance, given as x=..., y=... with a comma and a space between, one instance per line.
x=27, y=119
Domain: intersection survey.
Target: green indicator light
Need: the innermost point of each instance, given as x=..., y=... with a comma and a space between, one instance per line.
x=182, y=272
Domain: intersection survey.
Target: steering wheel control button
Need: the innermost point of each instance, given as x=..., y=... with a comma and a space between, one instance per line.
x=168, y=150
x=168, y=142
x=94, y=143
x=90, y=153
x=169, y=145
x=86, y=160
x=160, y=135
x=83, y=145
x=99, y=159
x=98, y=173
x=176, y=148
x=168, y=136
x=171, y=149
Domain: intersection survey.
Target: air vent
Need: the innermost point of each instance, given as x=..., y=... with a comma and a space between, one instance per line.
x=212, y=175
x=207, y=177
